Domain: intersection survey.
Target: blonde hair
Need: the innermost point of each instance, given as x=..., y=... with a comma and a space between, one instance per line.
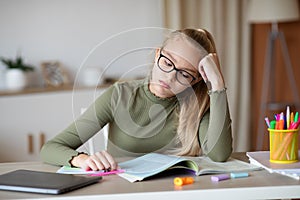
x=194, y=101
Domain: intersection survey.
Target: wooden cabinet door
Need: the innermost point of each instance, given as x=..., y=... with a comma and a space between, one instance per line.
x=26, y=121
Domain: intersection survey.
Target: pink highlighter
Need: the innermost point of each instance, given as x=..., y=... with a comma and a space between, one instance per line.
x=105, y=173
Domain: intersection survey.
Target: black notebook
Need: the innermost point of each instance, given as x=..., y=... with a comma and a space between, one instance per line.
x=43, y=182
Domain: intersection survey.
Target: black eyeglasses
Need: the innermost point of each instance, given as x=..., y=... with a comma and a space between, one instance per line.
x=182, y=76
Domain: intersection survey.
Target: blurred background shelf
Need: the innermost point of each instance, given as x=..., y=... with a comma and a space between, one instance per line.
x=68, y=87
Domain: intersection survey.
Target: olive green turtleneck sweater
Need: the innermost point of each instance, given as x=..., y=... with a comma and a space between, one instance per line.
x=140, y=122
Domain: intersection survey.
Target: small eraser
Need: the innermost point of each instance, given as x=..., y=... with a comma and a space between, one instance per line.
x=220, y=177
x=239, y=175
x=179, y=181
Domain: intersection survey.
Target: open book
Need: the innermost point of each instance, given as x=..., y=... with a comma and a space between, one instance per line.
x=154, y=163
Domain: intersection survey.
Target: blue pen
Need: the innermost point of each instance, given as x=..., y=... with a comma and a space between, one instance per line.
x=285, y=122
x=239, y=175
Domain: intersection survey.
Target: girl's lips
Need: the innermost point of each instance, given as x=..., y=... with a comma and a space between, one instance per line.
x=163, y=84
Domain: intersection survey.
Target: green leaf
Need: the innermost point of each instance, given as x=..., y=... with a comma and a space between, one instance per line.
x=17, y=64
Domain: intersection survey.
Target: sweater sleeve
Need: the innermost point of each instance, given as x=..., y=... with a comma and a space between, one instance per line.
x=62, y=148
x=215, y=133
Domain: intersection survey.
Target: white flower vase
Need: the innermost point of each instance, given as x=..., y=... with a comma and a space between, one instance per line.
x=2, y=79
x=15, y=79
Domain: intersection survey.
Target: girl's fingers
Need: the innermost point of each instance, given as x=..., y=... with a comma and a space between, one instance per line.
x=113, y=164
x=216, y=59
x=202, y=73
x=85, y=166
x=98, y=161
x=90, y=162
x=210, y=71
x=101, y=158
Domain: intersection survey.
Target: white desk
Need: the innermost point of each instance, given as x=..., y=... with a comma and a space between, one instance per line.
x=259, y=185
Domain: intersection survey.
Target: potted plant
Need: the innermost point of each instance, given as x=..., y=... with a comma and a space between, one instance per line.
x=16, y=78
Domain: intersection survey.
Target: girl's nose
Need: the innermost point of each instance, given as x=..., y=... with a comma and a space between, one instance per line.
x=171, y=76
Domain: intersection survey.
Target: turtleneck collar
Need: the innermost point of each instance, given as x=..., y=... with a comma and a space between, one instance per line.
x=155, y=98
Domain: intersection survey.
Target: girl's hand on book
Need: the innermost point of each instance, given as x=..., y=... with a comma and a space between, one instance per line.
x=98, y=161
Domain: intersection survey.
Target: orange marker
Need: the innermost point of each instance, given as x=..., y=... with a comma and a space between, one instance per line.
x=281, y=124
x=179, y=181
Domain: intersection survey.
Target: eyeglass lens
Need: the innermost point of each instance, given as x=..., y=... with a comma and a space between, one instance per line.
x=167, y=66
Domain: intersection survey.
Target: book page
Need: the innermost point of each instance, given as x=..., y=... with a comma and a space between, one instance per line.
x=75, y=170
x=186, y=164
x=153, y=163
x=207, y=166
x=147, y=165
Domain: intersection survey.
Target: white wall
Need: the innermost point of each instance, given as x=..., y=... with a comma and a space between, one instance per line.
x=81, y=33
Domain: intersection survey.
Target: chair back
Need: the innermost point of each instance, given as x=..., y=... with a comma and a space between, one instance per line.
x=96, y=143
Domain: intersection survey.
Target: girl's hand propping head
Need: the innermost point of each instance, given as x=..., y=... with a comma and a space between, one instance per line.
x=209, y=68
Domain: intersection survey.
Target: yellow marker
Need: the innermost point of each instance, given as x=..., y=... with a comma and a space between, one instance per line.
x=292, y=117
x=179, y=181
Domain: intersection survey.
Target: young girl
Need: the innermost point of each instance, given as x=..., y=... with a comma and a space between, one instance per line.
x=181, y=108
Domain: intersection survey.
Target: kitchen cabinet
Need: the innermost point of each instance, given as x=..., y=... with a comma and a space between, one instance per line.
x=28, y=120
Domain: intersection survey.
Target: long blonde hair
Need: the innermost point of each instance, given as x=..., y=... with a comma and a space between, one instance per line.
x=194, y=101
